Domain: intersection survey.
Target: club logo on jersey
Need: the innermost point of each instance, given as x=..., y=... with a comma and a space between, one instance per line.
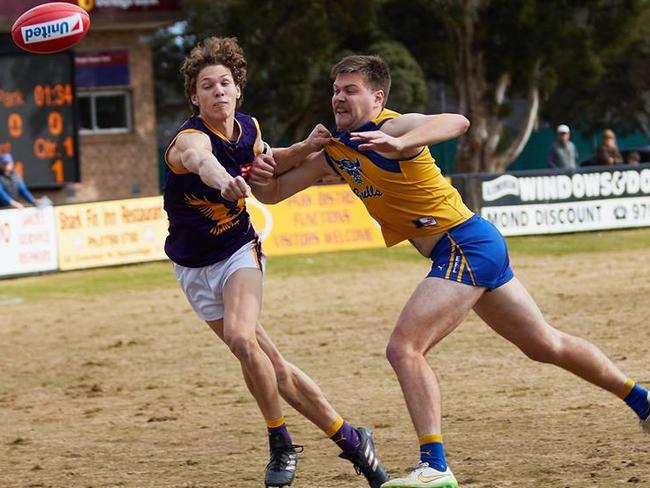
x=54, y=29
x=352, y=168
x=425, y=221
x=224, y=214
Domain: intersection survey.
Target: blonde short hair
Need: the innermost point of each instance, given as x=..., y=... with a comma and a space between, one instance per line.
x=374, y=70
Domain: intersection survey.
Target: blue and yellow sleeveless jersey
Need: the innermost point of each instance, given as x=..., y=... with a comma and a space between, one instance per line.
x=408, y=198
x=205, y=228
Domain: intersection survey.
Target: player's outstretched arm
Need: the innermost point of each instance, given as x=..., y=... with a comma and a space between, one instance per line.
x=408, y=133
x=269, y=188
x=292, y=156
x=193, y=151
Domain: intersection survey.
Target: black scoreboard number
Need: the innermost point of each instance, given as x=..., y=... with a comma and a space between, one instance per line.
x=38, y=123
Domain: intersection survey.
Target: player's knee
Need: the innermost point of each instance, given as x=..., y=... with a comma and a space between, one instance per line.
x=398, y=353
x=244, y=347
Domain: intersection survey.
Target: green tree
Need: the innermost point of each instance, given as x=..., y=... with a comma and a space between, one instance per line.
x=618, y=96
x=494, y=52
x=408, y=87
x=290, y=47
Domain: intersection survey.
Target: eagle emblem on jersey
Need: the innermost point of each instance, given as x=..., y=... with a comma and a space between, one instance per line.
x=353, y=168
x=224, y=214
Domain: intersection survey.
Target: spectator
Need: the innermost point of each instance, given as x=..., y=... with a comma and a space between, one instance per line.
x=563, y=153
x=608, y=152
x=633, y=158
x=12, y=186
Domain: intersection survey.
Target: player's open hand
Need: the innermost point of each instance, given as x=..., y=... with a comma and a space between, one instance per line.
x=318, y=137
x=235, y=188
x=377, y=140
x=262, y=170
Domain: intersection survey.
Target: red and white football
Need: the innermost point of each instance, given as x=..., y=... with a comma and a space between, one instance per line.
x=50, y=27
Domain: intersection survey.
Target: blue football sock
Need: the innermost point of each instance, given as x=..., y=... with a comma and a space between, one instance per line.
x=433, y=453
x=637, y=400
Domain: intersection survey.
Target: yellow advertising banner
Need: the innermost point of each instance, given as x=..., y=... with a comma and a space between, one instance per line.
x=108, y=233
x=319, y=219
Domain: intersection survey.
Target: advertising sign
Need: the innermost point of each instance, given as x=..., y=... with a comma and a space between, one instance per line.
x=320, y=219
x=27, y=241
x=553, y=203
x=108, y=233
x=102, y=68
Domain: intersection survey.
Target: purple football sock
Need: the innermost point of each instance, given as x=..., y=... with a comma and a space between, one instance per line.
x=282, y=432
x=347, y=438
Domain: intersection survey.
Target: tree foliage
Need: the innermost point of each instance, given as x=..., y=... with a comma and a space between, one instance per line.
x=494, y=53
x=616, y=94
x=581, y=62
x=290, y=48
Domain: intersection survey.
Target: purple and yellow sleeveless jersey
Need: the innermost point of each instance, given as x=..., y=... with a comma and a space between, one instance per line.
x=408, y=198
x=205, y=228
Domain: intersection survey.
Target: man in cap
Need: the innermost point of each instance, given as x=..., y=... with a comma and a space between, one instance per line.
x=563, y=153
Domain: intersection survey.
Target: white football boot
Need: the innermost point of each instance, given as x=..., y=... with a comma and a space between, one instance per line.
x=423, y=476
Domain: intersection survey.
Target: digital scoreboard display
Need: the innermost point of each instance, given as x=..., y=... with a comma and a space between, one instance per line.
x=38, y=117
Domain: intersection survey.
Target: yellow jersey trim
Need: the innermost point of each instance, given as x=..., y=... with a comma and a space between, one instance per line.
x=258, y=139
x=219, y=134
x=171, y=144
x=385, y=115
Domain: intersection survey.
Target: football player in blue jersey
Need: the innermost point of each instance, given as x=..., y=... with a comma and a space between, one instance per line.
x=218, y=258
x=385, y=159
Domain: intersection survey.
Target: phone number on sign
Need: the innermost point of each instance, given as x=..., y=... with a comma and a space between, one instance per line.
x=633, y=211
x=641, y=211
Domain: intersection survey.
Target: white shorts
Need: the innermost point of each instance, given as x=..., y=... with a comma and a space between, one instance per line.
x=203, y=287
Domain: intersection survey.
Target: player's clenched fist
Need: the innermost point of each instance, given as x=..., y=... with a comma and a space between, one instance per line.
x=318, y=137
x=262, y=170
x=235, y=188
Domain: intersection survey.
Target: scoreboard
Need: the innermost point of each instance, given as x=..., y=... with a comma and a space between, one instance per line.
x=38, y=124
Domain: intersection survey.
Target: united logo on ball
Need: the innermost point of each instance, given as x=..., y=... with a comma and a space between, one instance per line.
x=50, y=27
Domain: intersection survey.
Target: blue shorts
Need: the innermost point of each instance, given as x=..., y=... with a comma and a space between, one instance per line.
x=474, y=253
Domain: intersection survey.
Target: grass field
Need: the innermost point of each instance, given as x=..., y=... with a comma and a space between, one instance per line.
x=107, y=378
x=157, y=275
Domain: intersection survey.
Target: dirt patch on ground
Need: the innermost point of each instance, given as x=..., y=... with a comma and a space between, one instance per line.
x=130, y=389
